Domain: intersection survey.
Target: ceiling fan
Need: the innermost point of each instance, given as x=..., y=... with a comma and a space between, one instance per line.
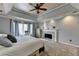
x=37, y=7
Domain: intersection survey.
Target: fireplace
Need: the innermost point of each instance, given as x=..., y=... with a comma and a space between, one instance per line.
x=49, y=36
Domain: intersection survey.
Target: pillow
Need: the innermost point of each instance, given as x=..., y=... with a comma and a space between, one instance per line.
x=3, y=35
x=5, y=42
x=12, y=38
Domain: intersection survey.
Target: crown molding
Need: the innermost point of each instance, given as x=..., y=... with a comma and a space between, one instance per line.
x=57, y=12
x=53, y=9
x=23, y=12
x=18, y=13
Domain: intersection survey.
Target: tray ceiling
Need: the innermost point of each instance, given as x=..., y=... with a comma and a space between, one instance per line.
x=26, y=7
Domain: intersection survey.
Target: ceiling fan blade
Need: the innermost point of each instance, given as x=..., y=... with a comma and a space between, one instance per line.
x=43, y=9
x=41, y=4
x=31, y=4
x=37, y=11
x=32, y=9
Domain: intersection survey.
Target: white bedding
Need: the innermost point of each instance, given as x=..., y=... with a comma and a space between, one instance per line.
x=24, y=47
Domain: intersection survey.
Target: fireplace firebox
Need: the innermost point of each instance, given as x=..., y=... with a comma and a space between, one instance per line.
x=49, y=36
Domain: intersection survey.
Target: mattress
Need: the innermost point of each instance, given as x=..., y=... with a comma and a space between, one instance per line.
x=22, y=48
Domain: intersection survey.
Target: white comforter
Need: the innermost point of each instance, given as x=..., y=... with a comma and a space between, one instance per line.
x=24, y=47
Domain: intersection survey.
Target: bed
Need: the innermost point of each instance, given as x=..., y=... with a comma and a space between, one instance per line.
x=25, y=46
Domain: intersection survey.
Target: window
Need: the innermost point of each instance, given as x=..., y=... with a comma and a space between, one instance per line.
x=31, y=29
x=26, y=27
x=22, y=28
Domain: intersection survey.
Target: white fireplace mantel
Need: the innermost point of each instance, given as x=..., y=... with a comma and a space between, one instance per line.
x=54, y=34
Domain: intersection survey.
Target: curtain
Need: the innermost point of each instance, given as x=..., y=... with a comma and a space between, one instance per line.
x=12, y=31
x=34, y=30
x=16, y=28
x=28, y=27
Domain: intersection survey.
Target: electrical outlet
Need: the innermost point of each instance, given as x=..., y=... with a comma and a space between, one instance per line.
x=70, y=40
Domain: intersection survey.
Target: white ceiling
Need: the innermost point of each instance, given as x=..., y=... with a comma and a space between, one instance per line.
x=26, y=7
x=53, y=10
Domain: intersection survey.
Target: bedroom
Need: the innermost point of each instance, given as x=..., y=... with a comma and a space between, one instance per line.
x=36, y=30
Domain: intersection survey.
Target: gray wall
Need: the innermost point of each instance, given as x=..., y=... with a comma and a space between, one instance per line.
x=4, y=25
x=68, y=29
